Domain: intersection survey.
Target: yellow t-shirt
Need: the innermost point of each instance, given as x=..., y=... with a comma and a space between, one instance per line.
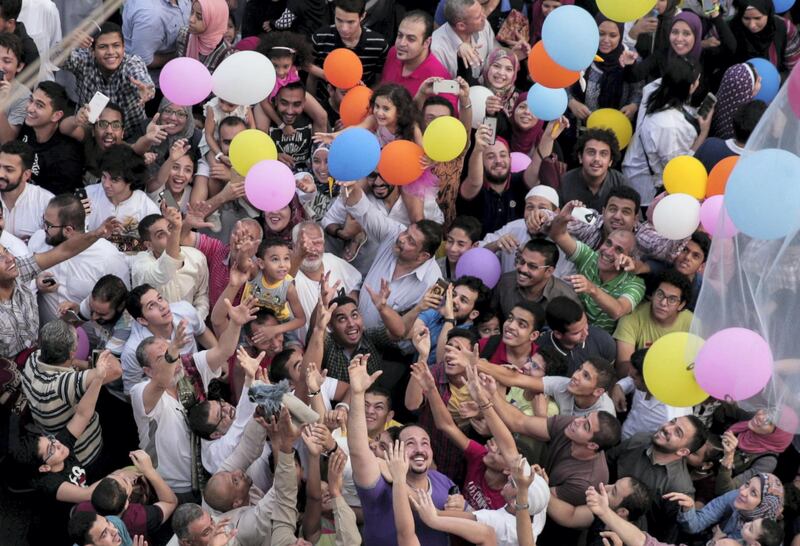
x=458, y=395
x=641, y=331
x=270, y=296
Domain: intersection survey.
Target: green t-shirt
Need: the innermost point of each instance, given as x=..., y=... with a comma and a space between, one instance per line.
x=641, y=331
x=626, y=285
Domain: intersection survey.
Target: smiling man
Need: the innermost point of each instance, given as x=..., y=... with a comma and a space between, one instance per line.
x=23, y=203
x=597, y=151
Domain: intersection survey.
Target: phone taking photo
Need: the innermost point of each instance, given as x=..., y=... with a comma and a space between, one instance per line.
x=708, y=103
x=445, y=86
x=491, y=121
x=167, y=197
x=440, y=287
x=96, y=106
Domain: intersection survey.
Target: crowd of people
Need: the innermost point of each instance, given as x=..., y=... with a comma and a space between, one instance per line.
x=179, y=367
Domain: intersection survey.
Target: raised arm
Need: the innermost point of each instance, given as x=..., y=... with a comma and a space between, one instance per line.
x=403, y=518
x=346, y=528
x=474, y=181
x=229, y=340
x=167, y=501
x=597, y=502
x=482, y=388
x=75, y=245
x=558, y=229
x=376, y=225
x=365, y=466
x=391, y=319
x=84, y=410
x=156, y=386
x=441, y=415
x=470, y=530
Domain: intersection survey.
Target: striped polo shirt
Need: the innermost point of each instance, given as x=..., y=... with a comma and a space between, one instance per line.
x=371, y=49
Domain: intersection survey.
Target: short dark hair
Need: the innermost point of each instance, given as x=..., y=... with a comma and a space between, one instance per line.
x=146, y=223
x=701, y=433
x=469, y=335
x=116, y=108
x=383, y=392
x=746, y=118
x=109, y=497
x=57, y=95
x=546, y=248
x=468, y=224
x=232, y=121
x=270, y=242
x=108, y=28
x=79, y=526
x=637, y=359
x=771, y=532
x=476, y=285
x=198, y=419
x=678, y=280
x=701, y=239
x=608, y=432
x=605, y=136
x=134, y=303
x=70, y=211
x=12, y=42
x=26, y=452
x=425, y=18
x=625, y=192
x=487, y=314
x=9, y=9
x=183, y=517
x=121, y=161
x=351, y=6
x=534, y=309
x=432, y=231
x=606, y=374
x=19, y=148
x=562, y=312
x=111, y=289
x=291, y=86
x=638, y=501
x=555, y=362
x=438, y=100
x=262, y=315
x=278, y=369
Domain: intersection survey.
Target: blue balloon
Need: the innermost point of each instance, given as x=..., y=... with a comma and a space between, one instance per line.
x=770, y=79
x=354, y=154
x=762, y=196
x=782, y=6
x=547, y=104
x=571, y=37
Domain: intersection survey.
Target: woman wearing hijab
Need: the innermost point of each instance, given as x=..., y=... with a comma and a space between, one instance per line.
x=526, y=129
x=499, y=76
x=279, y=224
x=540, y=9
x=204, y=38
x=759, y=32
x=739, y=85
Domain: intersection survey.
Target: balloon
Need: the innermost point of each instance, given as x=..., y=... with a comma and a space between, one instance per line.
x=519, y=162
x=677, y=216
x=782, y=6
x=249, y=147
x=793, y=91
x=545, y=103
x=571, y=37
x=354, y=154
x=546, y=71
x=444, y=139
x=668, y=370
x=355, y=105
x=399, y=163
x=343, y=68
x=244, y=78
x=685, y=174
x=614, y=120
x=787, y=419
x=623, y=11
x=710, y=212
x=770, y=79
x=269, y=185
x=82, y=352
x=185, y=81
x=481, y=263
x=477, y=96
x=763, y=194
x=718, y=177
x=733, y=364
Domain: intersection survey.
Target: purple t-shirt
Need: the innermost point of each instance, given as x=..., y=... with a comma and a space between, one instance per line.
x=379, y=527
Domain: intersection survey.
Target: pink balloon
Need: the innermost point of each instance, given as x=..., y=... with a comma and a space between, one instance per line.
x=185, y=81
x=82, y=352
x=733, y=364
x=787, y=419
x=269, y=185
x=519, y=162
x=710, y=212
x=793, y=90
x=481, y=263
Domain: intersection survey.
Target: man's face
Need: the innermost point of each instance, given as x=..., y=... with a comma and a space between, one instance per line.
x=109, y=129
x=618, y=492
x=102, y=312
x=270, y=345
x=226, y=135
x=376, y=408
x=380, y=188
x=619, y=243
x=155, y=310
x=457, y=243
x=666, y=302
x=104, y=533
x=584, y=381
x=496, y=162
x=347, y=326
x=109, y=49
x=157, y=364
x=409, y=43
x=9, y=63
x=313, y=242
x=531, y=269
x=690, y=260
x=596, y=159
x=464, y=299
x=451, y=367
x=234, y=485
x=221, y=414
x=51, y=452
x=418, y=449
x=290, y=103
x=538, y=202
x=575, y=334
x=40, y=111
x=116, y=188
x=201, y=530
x=519, y=328
x=619, y=213
x=674, y=436
x=433, y=111
x=348, y=24
x=12, y=173
x=581, y=430
x=474, y=19
x=294, y=366
x=53, y=230
x=158, y=235
x=408, y=246
x=8, y=265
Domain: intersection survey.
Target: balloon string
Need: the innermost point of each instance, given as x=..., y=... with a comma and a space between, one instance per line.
x=690, y=367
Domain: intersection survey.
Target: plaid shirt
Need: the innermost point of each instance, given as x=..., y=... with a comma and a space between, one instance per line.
x=336, y=360
x=19, y=316
x=117, y=86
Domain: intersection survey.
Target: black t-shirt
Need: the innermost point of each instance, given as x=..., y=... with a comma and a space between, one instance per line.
x=573, y=187
x=73, y=472
x=297, y=145
x=493, y=209
x=57, y=163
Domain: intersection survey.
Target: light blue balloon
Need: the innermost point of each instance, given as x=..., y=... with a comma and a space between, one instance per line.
x=354, y=154
x=571, y=37
x=547, y=104
x=770, y=79
x=762, y=196
x=782, y=6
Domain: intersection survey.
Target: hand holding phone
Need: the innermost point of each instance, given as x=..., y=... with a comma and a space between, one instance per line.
x=446, y=86
x=96, y=106
x=491, y=122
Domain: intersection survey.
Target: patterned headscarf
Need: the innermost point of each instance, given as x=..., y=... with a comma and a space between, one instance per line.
x=508, y=93
x=735, y=90
x=215, y=16
x=771, y=505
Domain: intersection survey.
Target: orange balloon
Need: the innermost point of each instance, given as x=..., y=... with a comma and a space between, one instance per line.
x=355, y=105
x=719, y=175
x=546, y=71
x=343, y=68
x=399, y=164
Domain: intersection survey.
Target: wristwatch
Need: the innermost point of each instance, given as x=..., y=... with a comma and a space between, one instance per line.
x=451, y=321
x=219, y=154
x=168, y=357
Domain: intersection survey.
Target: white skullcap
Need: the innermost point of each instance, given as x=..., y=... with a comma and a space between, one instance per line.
x=545, y=192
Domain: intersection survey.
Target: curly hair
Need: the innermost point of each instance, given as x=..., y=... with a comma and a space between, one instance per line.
x=407, y=114
x=280, y=44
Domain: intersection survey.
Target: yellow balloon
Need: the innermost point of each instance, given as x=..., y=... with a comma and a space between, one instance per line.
x=444, y=139
x=614, y=120
x=625, y=10
x=249, y=147
x=685, y=174
x=669, y=370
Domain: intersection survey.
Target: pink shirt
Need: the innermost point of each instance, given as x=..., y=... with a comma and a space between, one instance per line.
x=476, y=490
x=430, y=67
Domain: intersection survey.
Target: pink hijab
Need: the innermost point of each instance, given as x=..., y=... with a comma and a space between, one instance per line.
x=750, y=442
x=215, y=16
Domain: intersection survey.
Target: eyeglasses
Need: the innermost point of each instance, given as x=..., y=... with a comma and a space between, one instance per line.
x=105, y=124
x=48, y=225
x=661, y=296
x=51, y=447
x=530, y=265
x=180, y=114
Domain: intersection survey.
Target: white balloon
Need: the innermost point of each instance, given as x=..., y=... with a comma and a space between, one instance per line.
x=677, y=216
x=477, y=96
x=244, y=78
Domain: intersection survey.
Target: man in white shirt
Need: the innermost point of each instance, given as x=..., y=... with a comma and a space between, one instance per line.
x=160, y=416
x=154, y=316
x=466, y=35
x=179, y=273
x=11, y=242
x=405, y=258
x=64, y=218
x=23, y=203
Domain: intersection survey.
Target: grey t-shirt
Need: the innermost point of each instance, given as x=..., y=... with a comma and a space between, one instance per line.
x=15, y=111
x=556, y=387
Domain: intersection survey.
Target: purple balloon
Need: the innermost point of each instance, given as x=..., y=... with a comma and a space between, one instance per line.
x=185, y=81
x=519, y=162
x=481, y=263
x=710, y=212
x=82, y=352
x=269, y=185
x=733, y=364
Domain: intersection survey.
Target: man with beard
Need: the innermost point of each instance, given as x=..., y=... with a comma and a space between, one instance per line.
x=293, y=136
x=106, y=322
x=491, y=192
x=175, y=382
x=23, y=203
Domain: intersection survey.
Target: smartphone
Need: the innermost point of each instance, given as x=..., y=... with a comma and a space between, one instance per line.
x=167, y=197
x=708, y=6
x=2, y=74
x=454, y=490
x=93, y=360
x=49, y=281
x=708, y=103
x=587, y=216
x=80, y=193
x=654, y=13
x=446, y=86
x=70, y=315
x=440, y=287
x=96, y=106
x=491, y=121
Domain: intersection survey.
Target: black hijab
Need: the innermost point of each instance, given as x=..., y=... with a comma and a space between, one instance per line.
x=754, y=44
x=613, y=79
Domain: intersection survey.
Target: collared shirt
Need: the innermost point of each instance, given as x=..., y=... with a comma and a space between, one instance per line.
x=26, y=217
x=507, y=293
x=430, y=67
x=407, y=290
x=152, y=26
x=19, y=316
x=574, y=188
x=493, y=209
x=434, y=321
x=217, y=256
x=519, y=229
x=445, y=45
x=634, y=458
x=117, y=86
x=336, y=359
x=371, y=49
